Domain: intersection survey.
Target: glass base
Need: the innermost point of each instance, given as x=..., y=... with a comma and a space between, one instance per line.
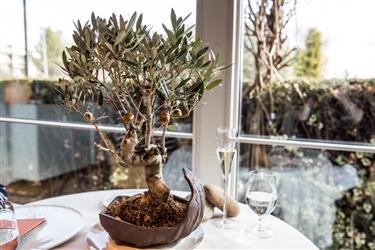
x=224, y=224
x=259, y=231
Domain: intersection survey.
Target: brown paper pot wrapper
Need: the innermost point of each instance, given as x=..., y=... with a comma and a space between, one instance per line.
x=122, y=231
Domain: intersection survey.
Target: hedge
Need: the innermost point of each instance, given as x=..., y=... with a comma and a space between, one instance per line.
x=335, y=110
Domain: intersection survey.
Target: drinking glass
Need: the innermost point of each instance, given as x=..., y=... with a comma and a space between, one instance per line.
x=8, y=226
x=226, y=151
x=261, y=197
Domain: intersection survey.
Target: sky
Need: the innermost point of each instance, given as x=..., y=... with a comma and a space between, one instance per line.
x=348, y=32
x=59, y=15
x=347, y=26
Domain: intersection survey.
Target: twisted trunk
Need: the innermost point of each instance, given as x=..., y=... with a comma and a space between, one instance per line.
x=158, y=189
x=151, y=158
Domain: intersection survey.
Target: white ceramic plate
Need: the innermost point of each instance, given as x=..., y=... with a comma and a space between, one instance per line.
x=98, y=239
x=62, y=223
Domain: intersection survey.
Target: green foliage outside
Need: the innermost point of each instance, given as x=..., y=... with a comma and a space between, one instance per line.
x=54, y=46
x=309, y=60
x=334, y=110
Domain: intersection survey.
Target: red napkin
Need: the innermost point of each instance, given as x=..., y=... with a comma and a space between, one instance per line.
x=26, y=225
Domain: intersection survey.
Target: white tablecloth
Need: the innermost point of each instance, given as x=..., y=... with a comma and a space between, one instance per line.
x=284, y=235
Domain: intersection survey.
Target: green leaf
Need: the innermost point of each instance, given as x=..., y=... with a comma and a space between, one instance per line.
x=188, y=32
x=169, y=33
x=224, y=67
x=213, y=84
x=172, y=126
x=93, y=20
x=202, y=52
x=206, y=64
x=131, y=63
x=140, y=39
x=180, y=31
x=87, y=37
x=109, y=46
x=122, y=23
x=120, y=37
x=173, y=19
x=182, y=83
x=123, y=164
x=195, y=87
x=199, y=63
x=139, y=21
x=79, y=26
x=208, y=73
x=65, y=59
x=200, y=92
x=182, y=52
x=132, y=20
x=160, y=95
x=77, y=78
x=185, y=18
x=114, y=21
x=100, y=99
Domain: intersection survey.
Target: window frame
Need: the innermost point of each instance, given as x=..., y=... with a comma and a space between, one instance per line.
x=228, y=41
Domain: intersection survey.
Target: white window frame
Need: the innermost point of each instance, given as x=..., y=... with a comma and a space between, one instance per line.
x=220, y=24
x=217, y=25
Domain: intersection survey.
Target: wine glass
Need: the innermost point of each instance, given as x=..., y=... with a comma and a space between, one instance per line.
x=226, y=151
x=8, y=226
x=261, y=197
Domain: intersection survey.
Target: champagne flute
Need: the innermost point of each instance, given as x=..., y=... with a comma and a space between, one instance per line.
x=261, y=197
x=8, y=226
x=226, y=151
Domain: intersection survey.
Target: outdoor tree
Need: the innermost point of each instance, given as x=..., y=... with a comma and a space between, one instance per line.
x=265, y=39
x=148, y=78
x=49, y=49
x=309, y=60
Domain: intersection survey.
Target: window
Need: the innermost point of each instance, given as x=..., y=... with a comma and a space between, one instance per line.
x=307, y=113
x=46, y=150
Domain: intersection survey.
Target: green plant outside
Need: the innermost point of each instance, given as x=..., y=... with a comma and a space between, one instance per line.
x=336, y=110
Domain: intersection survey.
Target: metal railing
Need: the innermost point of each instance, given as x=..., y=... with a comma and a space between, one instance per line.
x=313, y=144
x=80, y=126
x=308, y=143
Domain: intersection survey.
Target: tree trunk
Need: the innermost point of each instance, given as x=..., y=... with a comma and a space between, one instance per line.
x=151, y=158
x=158, y=189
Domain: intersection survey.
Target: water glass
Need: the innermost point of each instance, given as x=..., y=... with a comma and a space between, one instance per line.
x=261, y=197
x=8, y=226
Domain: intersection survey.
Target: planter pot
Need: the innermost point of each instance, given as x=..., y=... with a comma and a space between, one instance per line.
x=16, y=91
x=124, y=232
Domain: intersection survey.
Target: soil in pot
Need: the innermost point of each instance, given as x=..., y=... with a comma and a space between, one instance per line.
x=144, y=211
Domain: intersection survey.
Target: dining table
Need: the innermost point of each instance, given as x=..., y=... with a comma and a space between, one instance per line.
x=89, y=204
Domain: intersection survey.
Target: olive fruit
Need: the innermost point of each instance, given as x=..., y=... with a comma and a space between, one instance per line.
x=176, y=113
x=164, y=118
x=88, y=116
x=128, y=118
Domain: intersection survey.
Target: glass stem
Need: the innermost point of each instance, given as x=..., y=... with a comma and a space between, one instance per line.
x=259, y=226
x=225, y=197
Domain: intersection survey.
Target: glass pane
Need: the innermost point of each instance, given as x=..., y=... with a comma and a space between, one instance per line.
x=313, y=80
x=38, y=162
x=329, y=196
x=49, y=30
x=308, y=76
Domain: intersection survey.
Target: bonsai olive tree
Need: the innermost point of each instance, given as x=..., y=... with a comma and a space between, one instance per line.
x=149, y=78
